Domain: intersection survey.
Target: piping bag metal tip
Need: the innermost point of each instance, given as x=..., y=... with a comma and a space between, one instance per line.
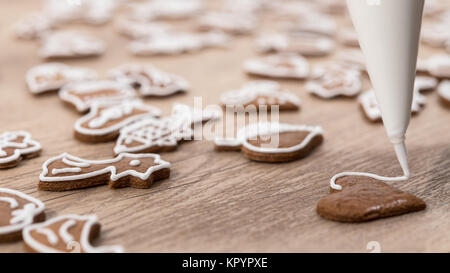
x=402, y=157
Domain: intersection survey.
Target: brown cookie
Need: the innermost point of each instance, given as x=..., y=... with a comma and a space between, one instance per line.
x=67, y=172
x=261, y=93
x=363, y=199
x=153, y=135
x=17, y=210
x=82, y=95
x=70, y=44
x=283, y=66
x=66, y=233
x=15, y=146
x=105, y=120
x=444, y=92
x=273, y=142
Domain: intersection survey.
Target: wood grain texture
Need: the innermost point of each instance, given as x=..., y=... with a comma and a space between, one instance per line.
x=222, y=201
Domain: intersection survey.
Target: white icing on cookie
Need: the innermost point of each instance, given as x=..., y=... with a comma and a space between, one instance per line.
x=279, y=66
x=370, y=106
x=348, y=37
x=52, y=76
x=32, y=26
x=70, y=220
x=307, y=44
x=439, y=65
x=150, y=80
x=21, y=217
x=165, y=9
x=435, y=35
x=75, y=164
x=136, y=29
x=378, y=177
x=444, y=90
x=160, y=164
x=252, y=131
x=66, y=170
x=228, y=22
x=352, y=58
x=70, y=44
x=334, y=80
x=313, y=23
x=165, y=132
x=26, y=146
x=90, y=91
x=424, y=83
x=135, y=162
x=270, y=90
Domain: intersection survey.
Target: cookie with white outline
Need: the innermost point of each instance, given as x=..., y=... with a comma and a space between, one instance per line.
x=307, y=44
x=425, y=83
x=148, y=80
x=284, y=66
x=333, y=81
x=273, y=142
x=261, y=94
x=371, y=110
x=435, y=35
x=348, y=37
x=104, y=121
x=228, y=22
x=70, y=44
x=18, y=210
x=32, y=26
x=68, y=233
x=82, y=95
x=15, y=146
x=52, y=76
x=67, y=172
x=352, y=58
x=315, y=23
x=439, y=66
x=364, y=199
x=444, y=92
x=135, y=29
x=93, y=12
x=166, y=10
x=153, y=135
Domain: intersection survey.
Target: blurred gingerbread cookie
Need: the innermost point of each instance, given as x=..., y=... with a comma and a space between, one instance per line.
x=260, y=94
x=82, y=95
x=285, y=66
x=52, y=76
x=135, y=29
x=307, y=44
x=228, y=22
x=439, y=66
x=70, y=44
x=94, y=12
x=166, y=10
x=444, y=92
x=332, y=81
x=273, y=142
x=148, y=80
x=15, y=146
x=33, y=26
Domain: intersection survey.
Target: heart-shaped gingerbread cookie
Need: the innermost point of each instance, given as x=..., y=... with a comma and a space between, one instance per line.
x=363, y=199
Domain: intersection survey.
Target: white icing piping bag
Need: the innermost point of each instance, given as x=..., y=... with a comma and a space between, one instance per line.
x=388, y=32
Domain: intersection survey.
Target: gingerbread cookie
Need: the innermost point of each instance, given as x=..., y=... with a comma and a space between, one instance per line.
x=70, y=44
x=229, y=22
x=135, y=29
x=313, y=23
x=67, y=172
x=424, y=83
x=105, y=120
x=273, y=142
x=261, y=93
x=435, y=35
x=15, y=146
x=94, y=12
x=149, y=80
x=363, y=199
x=444, y=92
x=32, y=26
x=439, y=66
x=82, y=95
x=285, y=66
x=348, y=37
x=17, y=210
x=66, y=233
x=152, y=135
x=52, y=76
x=166, y=10
x=307, y=44
x=371, y=111
x=352, y=58
x=333, y=81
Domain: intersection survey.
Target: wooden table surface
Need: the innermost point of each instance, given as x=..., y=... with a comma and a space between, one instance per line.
x=222, y=201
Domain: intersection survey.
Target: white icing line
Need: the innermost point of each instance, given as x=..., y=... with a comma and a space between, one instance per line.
x=12, y=202
x=76, y=164
x=51, y=236
x=64, y=230
x=66, y=170
x=135, y=163
x=90, y=220
x=378, y=177
x=22, y=149
x=161, y=164
x=444, y=89
x=27, y=215
x=116, y=108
